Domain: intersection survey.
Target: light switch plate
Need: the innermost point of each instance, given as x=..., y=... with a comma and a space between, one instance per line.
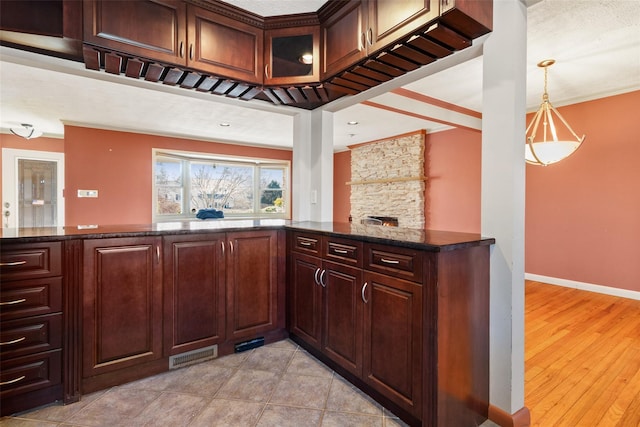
x=88, y=193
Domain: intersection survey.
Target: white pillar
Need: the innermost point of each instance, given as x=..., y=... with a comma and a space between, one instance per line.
x=313, y=166
x=503, y=197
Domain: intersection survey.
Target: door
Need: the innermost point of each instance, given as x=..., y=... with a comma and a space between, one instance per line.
x=305, y=297
x=32, y=188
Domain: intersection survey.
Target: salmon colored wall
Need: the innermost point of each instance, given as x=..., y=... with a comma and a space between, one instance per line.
x=119, y=166
x=341, y=191
x=38, y=144
x=583, y=213
x=453, y=166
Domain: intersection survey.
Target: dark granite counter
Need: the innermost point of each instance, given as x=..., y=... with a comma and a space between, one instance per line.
x=431, y=240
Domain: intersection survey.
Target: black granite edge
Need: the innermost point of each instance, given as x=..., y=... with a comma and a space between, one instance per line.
x=462, y=243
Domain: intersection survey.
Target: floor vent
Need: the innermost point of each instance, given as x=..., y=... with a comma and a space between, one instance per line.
x=191, y=357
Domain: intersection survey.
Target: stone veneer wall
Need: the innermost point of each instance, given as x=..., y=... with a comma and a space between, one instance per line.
x=387, y=179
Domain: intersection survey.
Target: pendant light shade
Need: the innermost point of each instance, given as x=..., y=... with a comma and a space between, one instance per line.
x=26, y=131
x=548, y=148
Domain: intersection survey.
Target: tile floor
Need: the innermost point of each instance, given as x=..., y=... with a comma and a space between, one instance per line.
x=276, y=385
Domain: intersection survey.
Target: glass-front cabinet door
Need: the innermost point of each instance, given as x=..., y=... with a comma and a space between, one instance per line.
x=292, y=55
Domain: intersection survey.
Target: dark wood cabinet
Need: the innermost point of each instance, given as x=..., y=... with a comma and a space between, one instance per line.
x=122, y=307
x=155, y=29
x=31, y=334
x=306, y=298
x=292, y=55
x=359, y=29
x=253, y=285
x=393, y=340
x=194, y=292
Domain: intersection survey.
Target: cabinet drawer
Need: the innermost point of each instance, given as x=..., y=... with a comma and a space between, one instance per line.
x=307, y=243
x=23, y=298
x=32, y=260
x=31, y=335
x=394, y=261
x=28, y=373
x=343, y=250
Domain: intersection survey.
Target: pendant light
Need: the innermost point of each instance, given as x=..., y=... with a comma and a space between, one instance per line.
x=546, y=151
x=26, y=131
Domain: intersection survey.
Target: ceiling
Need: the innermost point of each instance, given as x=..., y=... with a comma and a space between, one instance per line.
x=596, y=45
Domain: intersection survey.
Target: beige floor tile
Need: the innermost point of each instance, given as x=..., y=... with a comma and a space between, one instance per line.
x=117, y=407
x=343, y=397
x=305, y=364
x=21, y=422
x=229, y=413
x=269, y=359
x=58, y=412
x=284, y=344
x=343, y=419
x=285, y=416
x=247, y=384
x=302, y=390
x=171, y=410
x=204, y=379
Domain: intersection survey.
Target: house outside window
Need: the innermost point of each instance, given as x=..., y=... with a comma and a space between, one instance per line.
x=186, y=182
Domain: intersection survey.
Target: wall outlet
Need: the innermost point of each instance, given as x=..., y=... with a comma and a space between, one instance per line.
x=88, y=193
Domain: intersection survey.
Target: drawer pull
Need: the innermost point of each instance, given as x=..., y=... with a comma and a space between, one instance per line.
x=324, y=285
x=389, y=261
x=15, y=301
x=304, y=243
x=12, y=264
x=13, y=341
x=341, y=251
x=315, y=276
x=13, y=381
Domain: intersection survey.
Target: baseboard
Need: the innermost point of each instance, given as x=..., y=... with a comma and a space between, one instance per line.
x=520, y=418
x=608, y=290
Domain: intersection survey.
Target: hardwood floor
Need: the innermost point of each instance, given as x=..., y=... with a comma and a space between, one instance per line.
x=582, y=358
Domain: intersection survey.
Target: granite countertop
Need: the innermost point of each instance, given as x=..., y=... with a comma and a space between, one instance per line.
x=432, y=240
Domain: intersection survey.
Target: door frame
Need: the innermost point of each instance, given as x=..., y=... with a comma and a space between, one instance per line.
x=10, y=158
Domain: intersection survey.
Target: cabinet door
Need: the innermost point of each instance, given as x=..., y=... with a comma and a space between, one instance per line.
x=305, y=298
x=224, y=46
x=194, y=303
x=122, y=303
x=154, y=29
x=393, y=339
x=343, y=37
x=390, y=20
x=343, y=315
x=292, y=55
x=252, y=283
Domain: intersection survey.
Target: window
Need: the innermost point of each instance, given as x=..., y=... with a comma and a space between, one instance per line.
x=239, y=187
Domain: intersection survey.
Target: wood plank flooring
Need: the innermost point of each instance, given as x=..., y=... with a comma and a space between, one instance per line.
x=582, y=358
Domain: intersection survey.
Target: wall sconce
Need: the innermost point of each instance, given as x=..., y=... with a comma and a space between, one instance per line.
x=546, y=152
x=27, y=131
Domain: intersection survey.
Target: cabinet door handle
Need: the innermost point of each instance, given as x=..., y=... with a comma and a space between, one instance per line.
x=191, y=52
x=158, y=253
x=370, y=36
x=266, y=71
x=222, y=245
x=13, y=381
x=364, y=287
x=324, y=285
x=231, y=246
x=363, y=43
x=389, y=261
x=13, y=341
x=12, y=264
x=15, y=301
x=181, y=49
x=315, y=276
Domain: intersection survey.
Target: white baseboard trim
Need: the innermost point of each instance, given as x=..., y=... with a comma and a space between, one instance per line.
x=608, y=290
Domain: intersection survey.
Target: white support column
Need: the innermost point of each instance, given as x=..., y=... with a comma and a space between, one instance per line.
x=313, y=166
x=503, y=197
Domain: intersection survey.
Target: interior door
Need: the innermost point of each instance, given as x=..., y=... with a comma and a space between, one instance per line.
x=32, y=188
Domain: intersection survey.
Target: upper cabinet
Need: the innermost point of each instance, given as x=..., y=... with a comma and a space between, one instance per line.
x=292, y=55
x=359, y=29
x=151, y=29
x=177, y=33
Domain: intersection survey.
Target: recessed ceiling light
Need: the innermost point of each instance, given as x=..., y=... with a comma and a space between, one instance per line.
x=352, y=122
x=306, y=58
x=225, y=124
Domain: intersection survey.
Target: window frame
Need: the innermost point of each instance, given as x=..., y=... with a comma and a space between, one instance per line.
x=186, y=157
